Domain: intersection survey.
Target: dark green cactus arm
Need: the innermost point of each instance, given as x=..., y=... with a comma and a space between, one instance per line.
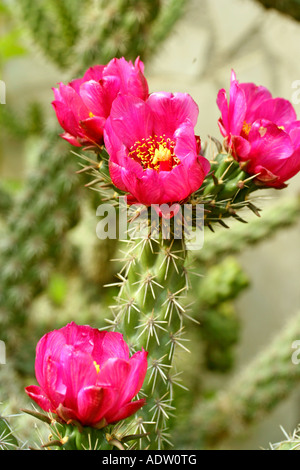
x=150, y=312
x=8, y=441
x=34, y=237
x=52, y=26
x=11, y=123
x=255, y=392
x=80, y=33
x=6, y=202
x=171, y=11
x=288, y=7
x=221, y=282
x=219, y=323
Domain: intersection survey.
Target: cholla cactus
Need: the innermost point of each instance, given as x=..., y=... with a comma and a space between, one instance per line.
x=97, y=30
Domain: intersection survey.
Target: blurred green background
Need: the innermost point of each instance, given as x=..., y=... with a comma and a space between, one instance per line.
x=53, y=267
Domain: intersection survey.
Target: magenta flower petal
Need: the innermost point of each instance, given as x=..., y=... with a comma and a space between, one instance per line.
x=78, y=371
x=130, y=119
x=255, y=96
x=99, y=96
x=276, y=146
x=36, y=394
x=94, y=73
x=132, y=79
x=92, y=128
x=71, y=139
x=94, y=403
x=222, y=104
x=127, y=410
x=277, y=110
x=237, y=108
x=240, y=147
x=138, y=369
x=108, y=345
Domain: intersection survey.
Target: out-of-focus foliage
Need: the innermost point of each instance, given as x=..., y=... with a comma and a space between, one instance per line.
x=53, y=268
x=288, y=7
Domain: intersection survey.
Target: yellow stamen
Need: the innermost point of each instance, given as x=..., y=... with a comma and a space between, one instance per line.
x=246, y=128
x=162, y=154
x=97, y=367
x=91, y=114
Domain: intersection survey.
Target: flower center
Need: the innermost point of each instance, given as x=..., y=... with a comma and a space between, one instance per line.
x=156, y=153
x=97, y=367
x=246, y=128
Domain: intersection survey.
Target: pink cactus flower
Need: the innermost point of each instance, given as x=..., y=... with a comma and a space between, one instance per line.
x=83, y=105
x=261, y=132
x=86, y=375
x=154, y=153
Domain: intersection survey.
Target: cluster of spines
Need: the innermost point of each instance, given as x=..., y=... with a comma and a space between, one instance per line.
x=34, y=237
x=250, y=395
x=97, y=30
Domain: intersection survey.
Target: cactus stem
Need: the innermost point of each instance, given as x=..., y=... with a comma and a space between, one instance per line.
x=162, y=409
x=151, y=324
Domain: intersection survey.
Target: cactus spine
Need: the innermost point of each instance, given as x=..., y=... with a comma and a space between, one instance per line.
x=250, y=395
x=149, y=311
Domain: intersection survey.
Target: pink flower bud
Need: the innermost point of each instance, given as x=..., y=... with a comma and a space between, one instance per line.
x=83, y=105
x=87, y=375
x=261, y=132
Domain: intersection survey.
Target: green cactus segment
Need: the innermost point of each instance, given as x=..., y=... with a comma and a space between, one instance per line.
x=72, y=435
x=291, y=442
x=75, y=437
x=220, y=331
x=222, y=282
x=225, y=191
x=214, y=309
x=253, y=393
x=52, y=26
x=150, y=312
x=97, y=30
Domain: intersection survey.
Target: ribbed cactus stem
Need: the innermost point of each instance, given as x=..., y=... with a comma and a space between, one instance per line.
x=150, y=313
